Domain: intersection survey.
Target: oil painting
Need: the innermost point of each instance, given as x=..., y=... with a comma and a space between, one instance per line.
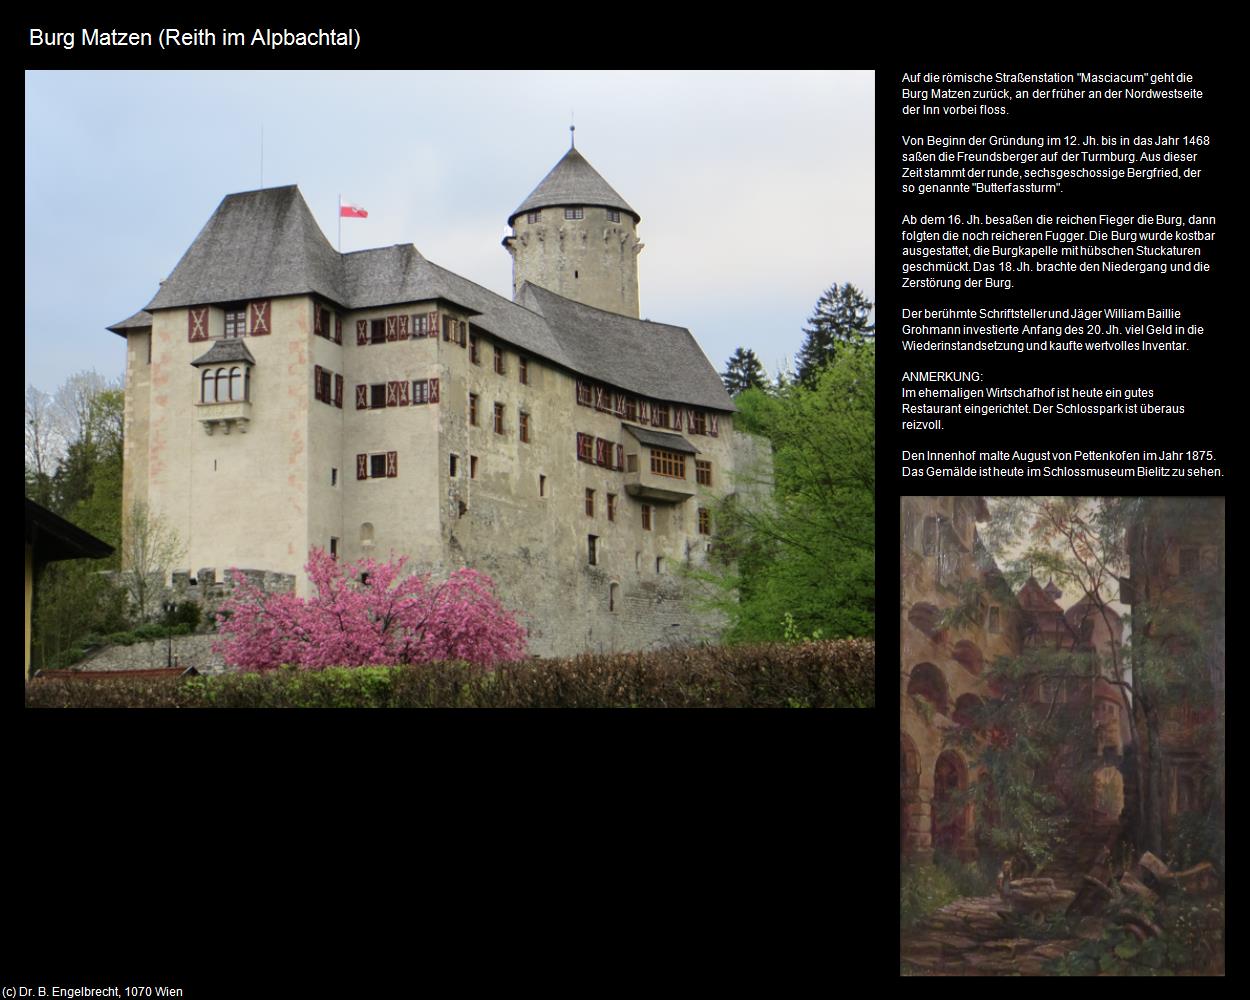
x=1062, y=761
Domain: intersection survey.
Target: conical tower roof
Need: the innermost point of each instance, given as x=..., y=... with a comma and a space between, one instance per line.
x=573, y=181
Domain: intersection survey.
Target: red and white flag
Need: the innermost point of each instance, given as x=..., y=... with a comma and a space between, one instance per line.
x=347, y=211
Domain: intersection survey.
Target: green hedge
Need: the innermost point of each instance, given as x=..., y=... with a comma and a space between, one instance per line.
x=829, y=674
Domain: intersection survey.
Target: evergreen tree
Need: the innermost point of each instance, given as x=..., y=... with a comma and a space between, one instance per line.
x=841, y=317
x=743, y=371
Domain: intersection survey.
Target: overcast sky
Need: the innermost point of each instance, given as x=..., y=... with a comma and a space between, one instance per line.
x=755, y=188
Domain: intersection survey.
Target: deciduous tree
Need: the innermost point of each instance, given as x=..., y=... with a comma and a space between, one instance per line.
x=368, y=613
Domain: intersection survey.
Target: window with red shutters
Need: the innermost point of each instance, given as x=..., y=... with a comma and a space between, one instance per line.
x=462, y=336
x=377, y=331
x=392, y=464
x=401, y=328
x=433, y=390
x=620, y=457
x=338, y=329
x=644, y=411
x=713, y=427
x=362, y=397
x=585, y=447
x=420, y=392
x=317, y=382
x=392, y=328
x=447, y=328
x=362, y=332
x=377, y=466
x=362, y=466
x=475, y=354
x=432, y=325
x=377, y=396
x=236, y=321
x=319, y=321
x=338, y=391
x=403, y=393
x=631, y=408
x=392, y=393
x=603, y=399
x=418, y=326
x=618, y=404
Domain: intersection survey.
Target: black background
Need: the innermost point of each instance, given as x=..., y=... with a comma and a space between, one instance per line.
x=282, y=853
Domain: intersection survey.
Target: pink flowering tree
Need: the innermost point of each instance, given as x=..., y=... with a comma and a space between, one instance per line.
x=390, y=618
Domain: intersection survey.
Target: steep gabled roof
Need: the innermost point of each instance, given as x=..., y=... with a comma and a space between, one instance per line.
x=258, y=244
x=651, y=359
x=573, y=181
x=1033, y=598
x=263, y=244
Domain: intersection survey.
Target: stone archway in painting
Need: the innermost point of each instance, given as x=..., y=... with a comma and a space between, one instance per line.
x=911, y=831
x=951, y=810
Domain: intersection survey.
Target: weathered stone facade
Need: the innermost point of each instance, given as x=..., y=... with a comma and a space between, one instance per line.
x=385, y=406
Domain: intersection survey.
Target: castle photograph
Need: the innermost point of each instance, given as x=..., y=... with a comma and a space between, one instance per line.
x=467, y=358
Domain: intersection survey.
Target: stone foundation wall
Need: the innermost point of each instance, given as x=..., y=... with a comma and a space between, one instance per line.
x=188, y=651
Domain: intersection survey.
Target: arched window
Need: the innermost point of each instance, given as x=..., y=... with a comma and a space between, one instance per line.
x=236, y=384
x=223, y=385
x=967, y=653
x=207, y=387
x=928, y=683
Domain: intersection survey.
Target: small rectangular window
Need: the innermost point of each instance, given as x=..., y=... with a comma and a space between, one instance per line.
x=377, y=466
x=472, y=466
x=472, y=409
x=498, y=361
x=574, y=213
x=592, y=545
x=475, y=353
x=542, y=486
x=533, y=216
x=659, y=564
x=614, y=215
x=631, y=408
x=646, y=517
x=703, y=472
x=334, y=548
x=420, y=391
x=377, y=396
x=590, y=503
x=631, y=463
x=454, y=466
x=499, y=418
x=523, y=371
x=611, y=506
x=705, y=521
x=236, y=322
x=377, y=331
x=523, y=421
x=334, y=477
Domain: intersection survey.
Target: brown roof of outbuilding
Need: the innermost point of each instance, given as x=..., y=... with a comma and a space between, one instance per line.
x=55, y=538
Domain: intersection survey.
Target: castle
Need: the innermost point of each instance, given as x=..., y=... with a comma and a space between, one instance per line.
x=281, y=396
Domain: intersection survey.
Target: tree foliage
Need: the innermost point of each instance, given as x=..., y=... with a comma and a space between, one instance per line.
x=744, y=371
x=802, y=536
x=841, y=318
x=368, y=613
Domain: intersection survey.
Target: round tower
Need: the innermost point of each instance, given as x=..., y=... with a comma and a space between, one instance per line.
x=577, y=237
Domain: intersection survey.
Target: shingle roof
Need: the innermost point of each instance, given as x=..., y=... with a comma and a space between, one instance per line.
x=262, y=244
x=139, y=321
x=652, y=359
x=658, y=439
x=573, y=181
x=258, y=244
x=225, y=351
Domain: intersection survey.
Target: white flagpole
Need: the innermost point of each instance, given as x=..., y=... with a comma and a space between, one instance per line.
x=340, y=222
